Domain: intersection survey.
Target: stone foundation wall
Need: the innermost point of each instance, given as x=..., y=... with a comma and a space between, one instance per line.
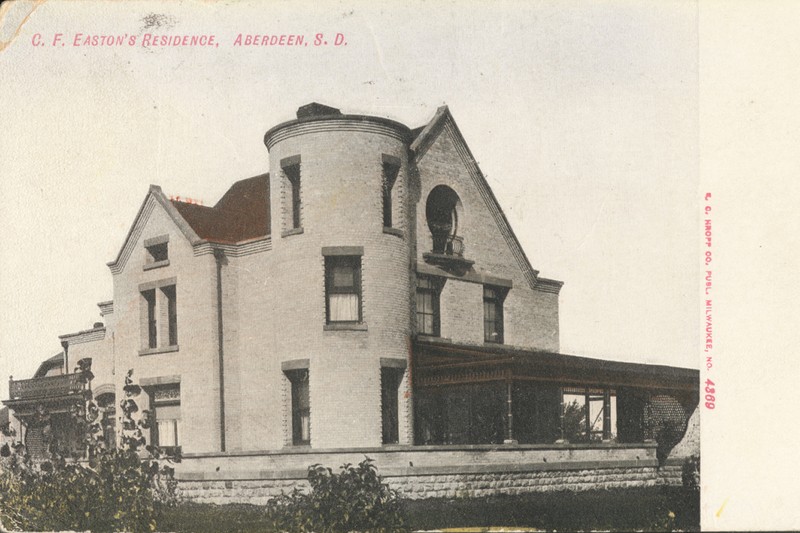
x=671, y=473
x=478, y=485
x=442, y=486
x=434, y=472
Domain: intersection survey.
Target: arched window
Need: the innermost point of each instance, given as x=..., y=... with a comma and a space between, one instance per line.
x=441, y=212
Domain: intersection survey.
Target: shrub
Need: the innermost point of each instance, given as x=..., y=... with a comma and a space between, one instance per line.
x=99, y=489
x=355, y=499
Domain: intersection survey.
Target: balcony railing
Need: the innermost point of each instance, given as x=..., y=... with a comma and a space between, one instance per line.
x=46, y=387
x=448, y=253
x=449, y=245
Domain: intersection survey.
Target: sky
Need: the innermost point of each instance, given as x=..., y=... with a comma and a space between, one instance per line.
x=583, y=117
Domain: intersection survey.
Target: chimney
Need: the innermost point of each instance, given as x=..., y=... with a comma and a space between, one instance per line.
x=315, y=109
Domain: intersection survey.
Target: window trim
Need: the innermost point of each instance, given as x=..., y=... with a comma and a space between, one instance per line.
x=343, y=254
x=156, y=338
x=350, y=261
x=150, y=257
x=155, y=405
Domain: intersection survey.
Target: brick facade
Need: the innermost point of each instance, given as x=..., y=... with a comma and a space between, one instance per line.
x=273, y=298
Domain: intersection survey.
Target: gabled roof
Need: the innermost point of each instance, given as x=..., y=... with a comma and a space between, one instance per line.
x=243, y=213
x=424, y=138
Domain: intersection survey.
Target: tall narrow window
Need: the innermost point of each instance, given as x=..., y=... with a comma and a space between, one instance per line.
x=149, y=298
x=159, y=316
x=493, y=314
x=391, y=167
x=343, y=288
x=301, y=407
x=291, y=168
x=390, y=384
x=428, y=306
x=166, y=409
x=172, y=314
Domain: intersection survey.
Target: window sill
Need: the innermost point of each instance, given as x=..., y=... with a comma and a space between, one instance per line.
x=426, y=337
x=345, y=326
x=157, y=264
x=170, y=451
x=160, y=349
x=492, y=343
x=298, y=446
x=394, y=231
x=290, y=232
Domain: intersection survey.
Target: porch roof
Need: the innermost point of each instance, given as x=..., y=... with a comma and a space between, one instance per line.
x=439, y=361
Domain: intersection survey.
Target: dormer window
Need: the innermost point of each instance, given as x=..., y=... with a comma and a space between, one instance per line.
x=157, y=252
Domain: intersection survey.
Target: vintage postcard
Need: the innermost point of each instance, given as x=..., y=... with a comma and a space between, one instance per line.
x=397, y=266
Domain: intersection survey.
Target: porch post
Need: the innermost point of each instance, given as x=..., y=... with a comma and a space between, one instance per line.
x=509, y=412
x=588, y=415
x=561, y=415
x=606, y=414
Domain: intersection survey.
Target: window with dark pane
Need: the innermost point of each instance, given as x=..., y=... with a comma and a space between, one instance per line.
x=427, y=306
x=172, y=314
x=390, y=171
x=149, y=298
x=390, y=385
x=301, y=407
x=493, y=314
x=157, y=252
x=293, y=174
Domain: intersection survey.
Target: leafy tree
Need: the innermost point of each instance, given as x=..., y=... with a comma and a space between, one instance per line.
x=574, y=422
x=89, y=485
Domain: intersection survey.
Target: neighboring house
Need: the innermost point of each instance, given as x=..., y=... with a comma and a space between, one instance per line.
x=367, y=295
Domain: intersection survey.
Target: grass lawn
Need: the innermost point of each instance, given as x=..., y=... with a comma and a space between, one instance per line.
x=616, y=510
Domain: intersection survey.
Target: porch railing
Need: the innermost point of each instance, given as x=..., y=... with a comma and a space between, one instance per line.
x=46, y=387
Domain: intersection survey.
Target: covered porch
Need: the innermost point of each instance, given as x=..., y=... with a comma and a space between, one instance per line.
x=503, y=395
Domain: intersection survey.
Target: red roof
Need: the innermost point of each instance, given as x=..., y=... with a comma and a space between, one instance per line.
x=241, y=214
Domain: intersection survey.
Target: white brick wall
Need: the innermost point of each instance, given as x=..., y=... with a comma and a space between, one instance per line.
x=274, y=299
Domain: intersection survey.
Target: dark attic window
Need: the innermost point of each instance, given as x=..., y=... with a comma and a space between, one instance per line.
x=158, y=252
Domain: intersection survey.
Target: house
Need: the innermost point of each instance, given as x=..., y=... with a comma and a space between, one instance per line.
x=365, y=296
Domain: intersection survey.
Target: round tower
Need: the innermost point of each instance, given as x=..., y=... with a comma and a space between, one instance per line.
x=342, y=281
